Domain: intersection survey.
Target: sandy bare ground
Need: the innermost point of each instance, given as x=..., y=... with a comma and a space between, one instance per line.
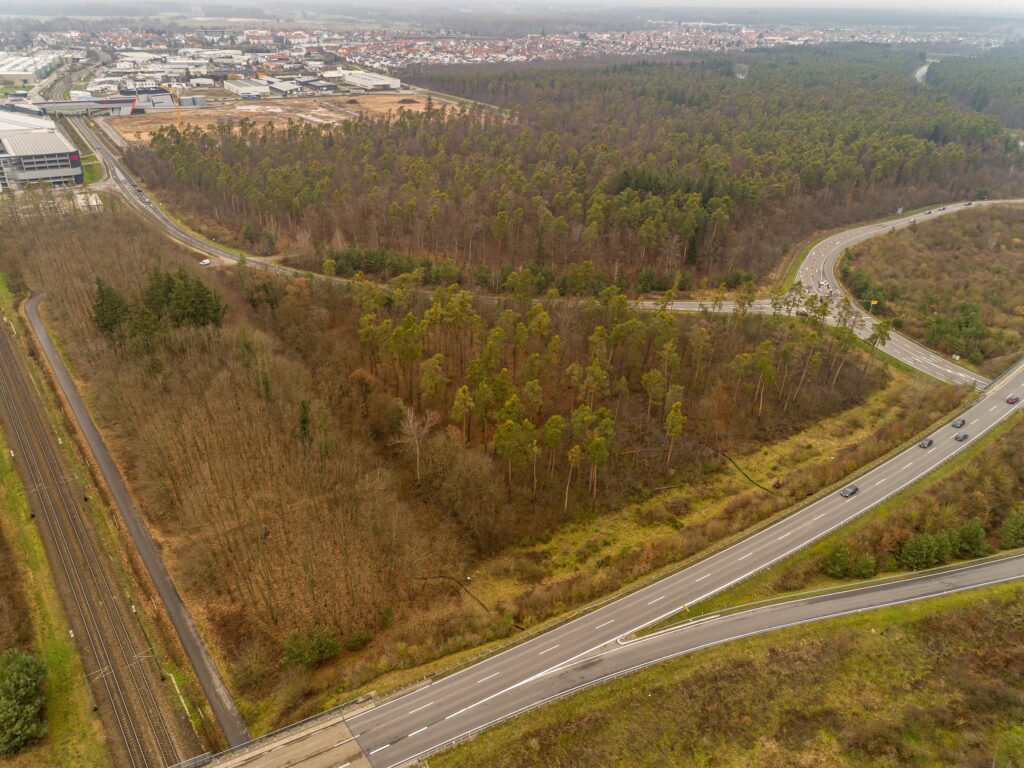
x=312, y=109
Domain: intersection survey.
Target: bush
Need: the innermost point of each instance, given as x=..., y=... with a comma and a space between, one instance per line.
x=310, y=649
x=359, y=640
x=22, y=697
x=864, y=566
x=1012, y=533
x=971, y=540
x=838, y=561
x=925, y=550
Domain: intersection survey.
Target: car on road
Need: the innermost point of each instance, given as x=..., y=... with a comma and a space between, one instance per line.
x=958, y=423
x=204, y=263
x=848, y=491
x=1013, y=400
x=927, y=213
x=913, y=221
x=942, y=208
x=961, y=436
x=927, y=443
x=968, y=204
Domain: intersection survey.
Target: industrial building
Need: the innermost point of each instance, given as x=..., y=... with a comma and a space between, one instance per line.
x=247, y=89
x=21, y=69
x=368, y=81
x=285, y=88
x=33, y=151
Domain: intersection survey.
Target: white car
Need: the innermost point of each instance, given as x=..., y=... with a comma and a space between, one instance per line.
x=204, y=263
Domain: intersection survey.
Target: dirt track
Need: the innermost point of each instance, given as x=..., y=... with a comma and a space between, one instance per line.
x=277, y=112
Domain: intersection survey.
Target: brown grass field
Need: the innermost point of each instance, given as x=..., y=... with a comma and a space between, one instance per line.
x=313, y=109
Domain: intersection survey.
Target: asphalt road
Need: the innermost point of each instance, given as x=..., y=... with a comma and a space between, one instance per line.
x=484, y=693
x=434, y=723
x=433, y=717
x=818, y=266
x=817, y=273
x=216, y=691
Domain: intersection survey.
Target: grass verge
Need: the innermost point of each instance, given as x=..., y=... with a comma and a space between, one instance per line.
x=75, y=735
x=762, y=586
x=924, y=684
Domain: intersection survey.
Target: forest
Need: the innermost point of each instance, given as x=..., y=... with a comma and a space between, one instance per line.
x=955, y=283
x=668, y=175
x=318, y=459
x=990, y=83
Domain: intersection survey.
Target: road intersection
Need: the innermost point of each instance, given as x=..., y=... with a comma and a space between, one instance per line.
x=588, y=649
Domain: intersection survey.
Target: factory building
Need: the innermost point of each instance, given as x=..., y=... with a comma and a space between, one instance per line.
x=33, y=151
x=247, y=89
x=19, y=69
x=368, y=81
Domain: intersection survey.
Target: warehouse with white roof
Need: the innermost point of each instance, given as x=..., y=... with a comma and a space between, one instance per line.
x=33, y=151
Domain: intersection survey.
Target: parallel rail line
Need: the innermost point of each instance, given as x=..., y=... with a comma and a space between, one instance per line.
x=137, y=715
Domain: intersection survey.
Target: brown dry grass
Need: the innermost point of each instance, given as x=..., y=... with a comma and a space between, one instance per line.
x=276, y=112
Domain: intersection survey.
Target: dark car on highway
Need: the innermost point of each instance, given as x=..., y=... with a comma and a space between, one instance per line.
x=959, y=423
x=961, y=437
x=848, y=491
x=1013, y=399
x=926, y=443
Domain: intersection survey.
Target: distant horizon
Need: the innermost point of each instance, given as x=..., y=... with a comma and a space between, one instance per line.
x=1007, y=8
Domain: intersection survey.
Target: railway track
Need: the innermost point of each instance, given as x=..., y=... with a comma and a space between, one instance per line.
x=117, y=660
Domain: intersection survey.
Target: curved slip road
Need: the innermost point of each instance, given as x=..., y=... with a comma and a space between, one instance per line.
x=818, y=266
x=216, y=691
x=448, y=709
x=817, y=274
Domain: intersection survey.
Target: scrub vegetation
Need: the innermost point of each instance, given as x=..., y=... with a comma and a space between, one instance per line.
x=955, y=283
x=647, y=176
x=325, y=463
x=927, y=684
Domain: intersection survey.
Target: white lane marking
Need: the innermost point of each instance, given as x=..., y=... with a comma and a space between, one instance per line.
x=656, y=600
x=453, y=714
x=880, y=481
x=974, y=421
x=421, y=730
x=414, y=711
x=485, y=679
x=816, y=517
x=744, y=557
x=787, y=533
x=605, y=624
x=378, y=749
x=703, y=577
x=548, y=649
x=723, y=586
x=345, y=765
x=993, y=407
x=908, y=464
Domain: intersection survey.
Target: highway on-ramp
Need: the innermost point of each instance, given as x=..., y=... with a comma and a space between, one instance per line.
x=452, y=707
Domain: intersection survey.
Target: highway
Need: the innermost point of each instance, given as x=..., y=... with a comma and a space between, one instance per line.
x=391, y=733
x=577, y=652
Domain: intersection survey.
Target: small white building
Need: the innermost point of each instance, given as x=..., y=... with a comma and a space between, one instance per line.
x=247, y=89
